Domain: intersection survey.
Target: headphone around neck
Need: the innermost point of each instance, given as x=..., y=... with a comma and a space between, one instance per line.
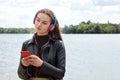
x=52, y=26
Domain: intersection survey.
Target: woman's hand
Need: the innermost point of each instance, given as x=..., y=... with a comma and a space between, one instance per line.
x=35, y=61
x=32, y=60
x=25, y=61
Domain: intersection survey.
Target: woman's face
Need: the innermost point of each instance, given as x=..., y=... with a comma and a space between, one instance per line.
x=42, y=23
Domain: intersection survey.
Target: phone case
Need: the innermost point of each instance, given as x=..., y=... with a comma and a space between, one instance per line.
x=25, y=53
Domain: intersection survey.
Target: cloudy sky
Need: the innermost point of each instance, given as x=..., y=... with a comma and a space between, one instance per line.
x=20, y=13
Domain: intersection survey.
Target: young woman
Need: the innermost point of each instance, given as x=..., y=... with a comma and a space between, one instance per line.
x=47, y=59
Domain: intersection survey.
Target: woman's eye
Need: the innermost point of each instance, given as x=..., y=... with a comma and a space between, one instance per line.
x=38, y=20
x=45, y=23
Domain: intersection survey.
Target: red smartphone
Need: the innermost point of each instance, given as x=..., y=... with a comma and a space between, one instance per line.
x=25, y=53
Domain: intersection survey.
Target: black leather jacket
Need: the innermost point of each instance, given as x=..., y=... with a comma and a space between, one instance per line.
x=53, y=55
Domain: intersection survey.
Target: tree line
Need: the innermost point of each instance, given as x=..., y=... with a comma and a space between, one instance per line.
x=89, y=27
x=81, y=28
x=16, y=30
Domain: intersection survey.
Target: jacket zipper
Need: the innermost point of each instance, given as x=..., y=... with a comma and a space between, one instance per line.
x=40, y=53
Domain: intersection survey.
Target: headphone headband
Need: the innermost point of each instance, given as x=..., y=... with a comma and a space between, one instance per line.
x=54, y=22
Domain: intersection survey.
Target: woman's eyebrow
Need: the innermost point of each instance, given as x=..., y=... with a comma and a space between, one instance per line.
x=38, y=17
x=42, y=20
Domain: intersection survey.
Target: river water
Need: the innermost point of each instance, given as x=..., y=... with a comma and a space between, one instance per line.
x=88, y=56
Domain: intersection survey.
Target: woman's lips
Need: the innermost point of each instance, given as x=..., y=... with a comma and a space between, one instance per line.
x=38, y=28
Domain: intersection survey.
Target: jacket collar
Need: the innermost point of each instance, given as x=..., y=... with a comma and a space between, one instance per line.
x=32, y=41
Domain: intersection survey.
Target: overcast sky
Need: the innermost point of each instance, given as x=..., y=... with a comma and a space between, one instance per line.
x=20, y=13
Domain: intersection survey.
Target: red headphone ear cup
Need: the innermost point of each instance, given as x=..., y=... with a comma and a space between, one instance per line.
x=51, y=27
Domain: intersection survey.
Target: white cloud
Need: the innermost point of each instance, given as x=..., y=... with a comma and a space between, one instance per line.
x=106, y=2
x=20, y=13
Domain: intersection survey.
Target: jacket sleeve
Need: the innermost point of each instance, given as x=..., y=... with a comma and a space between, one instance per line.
x=57, y=71
x=22, y=70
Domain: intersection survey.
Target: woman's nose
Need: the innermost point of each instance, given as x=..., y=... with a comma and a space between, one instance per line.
x=39, y=23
